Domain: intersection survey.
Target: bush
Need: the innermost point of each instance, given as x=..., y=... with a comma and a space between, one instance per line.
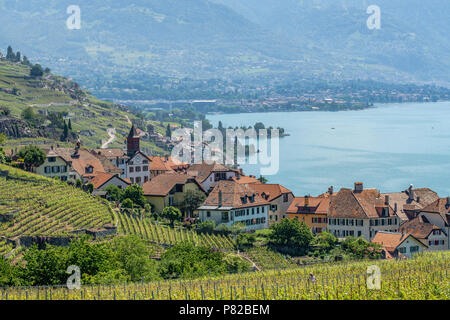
x=36, y=71
x=292, y=234
x=245, y=241
x=206, y=226
x=127, y=203
x=171, y=213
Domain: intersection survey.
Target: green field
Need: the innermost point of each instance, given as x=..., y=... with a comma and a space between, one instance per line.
x=46, y=207
x=426, y=277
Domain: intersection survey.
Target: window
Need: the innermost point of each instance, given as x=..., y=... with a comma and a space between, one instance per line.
x=63, y=168
x=225, y=216
x=170, y=201
x=145, y=162
x=138, y=179
x=132, y=180
x=55, y=169
x=208, y=214
x=131, y=169
x=257, y=210
x=413, y=249
x=253, y=210
x=63, y=178
x=52, y=159
x=138, y=169
x=359, y=233
x=145, y=179
x=402, y=250
x=48, y=169
x=285, y=197
x=145, y=168
x=179, y=188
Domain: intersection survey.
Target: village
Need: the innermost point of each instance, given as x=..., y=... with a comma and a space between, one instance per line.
x=403, y=223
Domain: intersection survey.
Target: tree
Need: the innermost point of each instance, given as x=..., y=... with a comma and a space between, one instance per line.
x=132, y=255
x=135, y=194
x=25, y=61
x=245, y=241
x=5, y=111
x=168, y=131
x=65, y=134
x=293, y=234
x=113, y=192
x=172, y=214
x=259, y=126
x=18, y=57
x=325, y=241
x=89, y=187
x=32, y=156
x=70, y=125
x=206, y=226
x=192, y=200
x=10, y=56
x=36, y=71
x=127, y=203
x=262, y=180
x=28, y=114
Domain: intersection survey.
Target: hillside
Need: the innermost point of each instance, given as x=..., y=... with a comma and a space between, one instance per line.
x=32, y=205
x=233, y=38
x=51, y=94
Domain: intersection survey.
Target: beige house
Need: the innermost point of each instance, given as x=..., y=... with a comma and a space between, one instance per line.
x=55, y=167
x=169, y=189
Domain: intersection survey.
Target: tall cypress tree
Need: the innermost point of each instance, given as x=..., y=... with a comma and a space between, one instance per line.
x=66, y=131
x=10, y=56
x=70, y=125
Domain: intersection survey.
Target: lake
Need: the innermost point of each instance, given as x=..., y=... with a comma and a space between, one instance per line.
x=387, y=147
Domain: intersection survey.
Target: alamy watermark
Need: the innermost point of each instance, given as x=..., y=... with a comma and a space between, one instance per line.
x=374, y=21
x=74, y=281
x=373, y=278
x=73, y=22
x=251, y=146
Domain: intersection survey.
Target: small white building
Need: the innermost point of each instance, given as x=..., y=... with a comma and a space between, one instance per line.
x=431, y=235
x=398, y=245
x=208, y=175
x=230, y=202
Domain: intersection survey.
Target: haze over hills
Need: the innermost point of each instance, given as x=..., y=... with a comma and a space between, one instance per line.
x=234, y=38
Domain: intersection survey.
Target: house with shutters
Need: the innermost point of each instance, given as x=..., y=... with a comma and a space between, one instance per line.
x=408, y=203
x=397, y=245
x=169, y=189
x=230, y=202
x=431, y=235
x=438, y=213
x=209, y=174
x=361, y=213
x=278, y=196
x=313, y=211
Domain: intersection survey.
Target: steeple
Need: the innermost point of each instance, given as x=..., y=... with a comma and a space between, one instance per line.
x=133, y=140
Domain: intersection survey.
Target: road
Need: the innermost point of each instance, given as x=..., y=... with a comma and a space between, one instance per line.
x=112, y=137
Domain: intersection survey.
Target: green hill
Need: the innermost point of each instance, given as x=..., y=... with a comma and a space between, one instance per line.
x=52, y=94
x=32, y=205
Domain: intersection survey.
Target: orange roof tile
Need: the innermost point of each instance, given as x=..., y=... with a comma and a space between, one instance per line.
x=269, y=191
x=163, y=183
x=315, y=205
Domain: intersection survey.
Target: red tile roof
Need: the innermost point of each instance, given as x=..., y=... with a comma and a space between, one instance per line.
x=235, y=195
x=163, y=183
x=309, y=205
x=246, y=180
x=358, y=205
x=270, y=191
x=419, y=227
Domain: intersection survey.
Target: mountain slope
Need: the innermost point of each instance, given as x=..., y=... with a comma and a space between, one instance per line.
x=90, y=118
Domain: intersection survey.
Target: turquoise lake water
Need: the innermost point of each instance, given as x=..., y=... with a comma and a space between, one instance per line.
x=388, y=147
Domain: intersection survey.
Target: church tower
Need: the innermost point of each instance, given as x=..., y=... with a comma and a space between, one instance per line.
x=133, y=141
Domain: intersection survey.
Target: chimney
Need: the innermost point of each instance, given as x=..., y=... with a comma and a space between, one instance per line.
x=359, y=187
x=395, y=207
x=330, y=190
x=220, y=198
x=386, y=200
x=418, y=199
x=411, y=193
x=306, y=201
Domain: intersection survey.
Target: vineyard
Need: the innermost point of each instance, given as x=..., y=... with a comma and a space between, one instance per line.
x=424, y=277
x=45, y=207
x=162, y=234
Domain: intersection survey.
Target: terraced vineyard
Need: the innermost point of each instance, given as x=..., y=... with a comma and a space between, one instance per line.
x=44, y=207
x=425, y=277
x=130, y=224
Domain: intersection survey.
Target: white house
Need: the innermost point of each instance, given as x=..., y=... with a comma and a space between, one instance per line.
x=431, y=235
x=398, y=245
x=230, y=202
x=438, y=214
x=208, y=175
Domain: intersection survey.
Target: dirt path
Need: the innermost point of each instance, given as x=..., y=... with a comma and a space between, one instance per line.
x=112, y=137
